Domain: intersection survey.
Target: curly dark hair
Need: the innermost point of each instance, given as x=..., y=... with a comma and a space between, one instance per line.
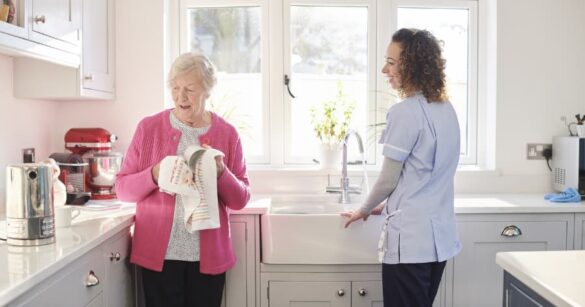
x=421, y=66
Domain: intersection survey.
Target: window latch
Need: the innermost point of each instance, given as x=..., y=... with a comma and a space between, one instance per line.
x=287, y=82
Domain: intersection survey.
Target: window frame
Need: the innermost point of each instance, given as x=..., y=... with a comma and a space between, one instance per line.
x=276, y=63
x=470, y=158
x=371, y=106
x=183, y=20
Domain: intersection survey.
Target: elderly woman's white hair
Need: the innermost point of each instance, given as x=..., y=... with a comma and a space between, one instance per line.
x=197, y=62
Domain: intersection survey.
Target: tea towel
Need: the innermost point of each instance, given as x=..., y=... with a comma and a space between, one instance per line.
x=195, y=177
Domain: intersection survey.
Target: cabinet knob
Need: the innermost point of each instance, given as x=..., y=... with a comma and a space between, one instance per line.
x=88, y=77
x=340, y=292
x=362, y=292
x=91, y=280
x=115, y=256
x=39, y=19
x=511, y=231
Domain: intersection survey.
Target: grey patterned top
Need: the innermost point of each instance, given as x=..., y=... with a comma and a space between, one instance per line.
x=182, y=244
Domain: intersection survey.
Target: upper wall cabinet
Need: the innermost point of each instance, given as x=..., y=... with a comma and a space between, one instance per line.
x=57, y=23
x=49, y=30
x=93, y=79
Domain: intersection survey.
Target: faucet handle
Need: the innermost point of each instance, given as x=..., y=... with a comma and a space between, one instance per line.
x=332, y=189
x=354, y=189
x=357, y=162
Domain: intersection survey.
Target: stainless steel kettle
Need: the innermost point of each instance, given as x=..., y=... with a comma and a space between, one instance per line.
x=29, y=204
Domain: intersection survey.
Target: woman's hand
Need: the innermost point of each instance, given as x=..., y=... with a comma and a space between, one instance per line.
x=154, y=172
x=353, y=216
x=218, y=161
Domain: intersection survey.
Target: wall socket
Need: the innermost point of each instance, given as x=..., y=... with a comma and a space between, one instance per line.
x=534, y=151
x=28, y=155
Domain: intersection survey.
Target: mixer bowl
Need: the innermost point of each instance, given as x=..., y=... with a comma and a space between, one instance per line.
x=103, y=167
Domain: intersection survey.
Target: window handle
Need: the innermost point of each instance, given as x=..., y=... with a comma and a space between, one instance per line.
x=287, y=82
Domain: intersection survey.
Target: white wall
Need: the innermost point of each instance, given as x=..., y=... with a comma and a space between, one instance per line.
x=23, y=124
x=540, y=67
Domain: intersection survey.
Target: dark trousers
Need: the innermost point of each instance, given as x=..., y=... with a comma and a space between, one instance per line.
x=180, y=284
x=411, y=284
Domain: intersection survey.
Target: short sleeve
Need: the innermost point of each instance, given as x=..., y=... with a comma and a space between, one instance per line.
x=401, y=133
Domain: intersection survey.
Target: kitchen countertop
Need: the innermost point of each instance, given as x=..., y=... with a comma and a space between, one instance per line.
x=22, y=268
x=557, y=276
x=512, y=203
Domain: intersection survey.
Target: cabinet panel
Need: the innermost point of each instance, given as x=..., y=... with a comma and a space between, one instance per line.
x=51, y=41
x=98, y=50
x=240, y=287
x=236, y=282
x=120, y=286
x=367, y=294
x=94, y=79
x=57, y=23
x=477, y=279
x=310, y=294
x=580, y=231
x=518, y=295
x=69, y=289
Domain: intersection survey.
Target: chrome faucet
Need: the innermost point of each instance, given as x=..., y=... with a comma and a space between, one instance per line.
x=344, y=188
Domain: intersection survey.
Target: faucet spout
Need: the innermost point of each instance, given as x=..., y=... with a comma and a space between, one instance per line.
x=344, y=155
x=344, y=187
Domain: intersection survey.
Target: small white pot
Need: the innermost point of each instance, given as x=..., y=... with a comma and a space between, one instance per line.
x=330, y=156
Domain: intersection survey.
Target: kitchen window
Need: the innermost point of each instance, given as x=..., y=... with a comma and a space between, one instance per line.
x=322, y=47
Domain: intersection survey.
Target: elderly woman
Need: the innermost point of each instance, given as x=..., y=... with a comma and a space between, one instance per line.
x=181, y=268
x=415, y=185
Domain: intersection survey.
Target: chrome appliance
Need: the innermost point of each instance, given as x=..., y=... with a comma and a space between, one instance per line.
x=569, y=163
x=29, y=204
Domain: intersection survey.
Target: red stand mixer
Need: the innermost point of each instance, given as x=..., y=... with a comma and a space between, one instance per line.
x=94, y=145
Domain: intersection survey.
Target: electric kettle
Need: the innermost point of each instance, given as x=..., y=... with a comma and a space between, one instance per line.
x=29, y=204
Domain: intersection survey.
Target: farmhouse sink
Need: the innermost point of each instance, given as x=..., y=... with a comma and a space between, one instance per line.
x=308, y=229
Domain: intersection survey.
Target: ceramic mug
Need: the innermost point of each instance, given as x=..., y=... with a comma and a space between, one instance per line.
x=64, y=215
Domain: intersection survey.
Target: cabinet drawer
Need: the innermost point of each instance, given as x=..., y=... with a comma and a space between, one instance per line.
x=68, y=287
x=516, y=231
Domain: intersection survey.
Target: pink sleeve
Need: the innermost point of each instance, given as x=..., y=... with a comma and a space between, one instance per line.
x=132, y=183
x=233, y=186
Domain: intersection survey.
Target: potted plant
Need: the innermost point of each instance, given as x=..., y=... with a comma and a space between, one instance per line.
x=579, y=125
x=330, y=120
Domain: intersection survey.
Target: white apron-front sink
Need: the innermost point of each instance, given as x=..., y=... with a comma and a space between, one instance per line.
x=310, y=230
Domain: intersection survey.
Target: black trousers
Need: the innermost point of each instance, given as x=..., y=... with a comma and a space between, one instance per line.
x=180, y=284
x=411, y=284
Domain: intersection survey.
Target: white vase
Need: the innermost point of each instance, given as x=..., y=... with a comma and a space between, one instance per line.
x=330, y=156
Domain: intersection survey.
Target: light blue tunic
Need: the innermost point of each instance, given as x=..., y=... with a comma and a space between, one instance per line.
x=422, y=224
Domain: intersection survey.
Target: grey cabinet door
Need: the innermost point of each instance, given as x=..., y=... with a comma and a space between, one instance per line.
x=477, y=279
x=119, y=272
x=310, y=294
x=240, y=285
x=367, y=294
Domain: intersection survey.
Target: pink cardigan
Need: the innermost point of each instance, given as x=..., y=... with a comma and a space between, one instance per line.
x=153, y=140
